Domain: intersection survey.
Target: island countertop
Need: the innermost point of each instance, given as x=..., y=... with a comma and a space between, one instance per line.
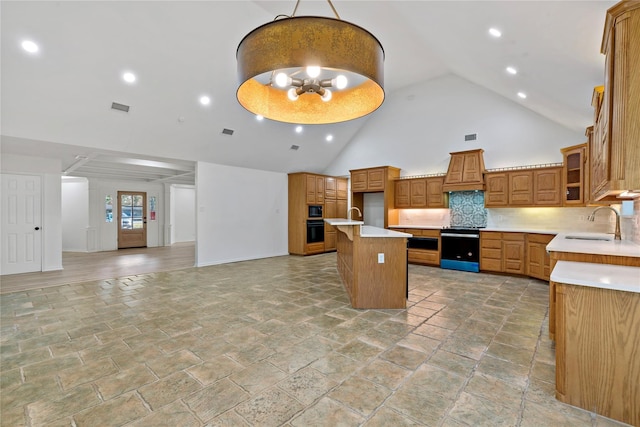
x=366, y=230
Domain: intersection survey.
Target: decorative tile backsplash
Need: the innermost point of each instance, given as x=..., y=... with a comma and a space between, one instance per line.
x=467, y=209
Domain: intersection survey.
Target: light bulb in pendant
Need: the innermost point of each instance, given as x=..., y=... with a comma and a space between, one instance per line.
x=313, y=71
x=282, y=80
x=292, y=95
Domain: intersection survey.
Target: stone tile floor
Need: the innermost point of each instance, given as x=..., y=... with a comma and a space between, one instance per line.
x=274, y=342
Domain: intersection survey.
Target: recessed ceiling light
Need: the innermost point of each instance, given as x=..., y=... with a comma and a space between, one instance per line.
x=495, y=32
x=259, y=117
x=30, y=46
x=522, y=95
x=205, y=100
x=129, y=77
x=512, y=70
x=329, y=138
x=298, y=129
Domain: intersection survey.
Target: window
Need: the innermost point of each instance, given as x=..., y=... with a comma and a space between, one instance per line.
x=131, y=211
x=108, y=208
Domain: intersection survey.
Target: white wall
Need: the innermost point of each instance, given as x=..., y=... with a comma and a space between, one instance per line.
x=241, y=214
x=372, y=209
x=49, y=170
x=183, y=203
x=75, y=214
x=416, y=128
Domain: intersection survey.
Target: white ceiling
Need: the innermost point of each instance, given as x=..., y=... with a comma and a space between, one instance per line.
x=57, y=103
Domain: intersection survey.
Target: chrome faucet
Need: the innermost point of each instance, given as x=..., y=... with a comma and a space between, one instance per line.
x=592, y=217
x=352, y=208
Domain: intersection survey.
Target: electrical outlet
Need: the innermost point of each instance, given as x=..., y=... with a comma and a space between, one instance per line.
x=381, y=258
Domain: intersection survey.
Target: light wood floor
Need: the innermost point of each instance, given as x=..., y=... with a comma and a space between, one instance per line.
x=81, y=267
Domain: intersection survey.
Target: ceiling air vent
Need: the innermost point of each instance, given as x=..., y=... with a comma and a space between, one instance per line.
x=121, y=107
x=294, y=147
x=227, y=131
x=471, y=137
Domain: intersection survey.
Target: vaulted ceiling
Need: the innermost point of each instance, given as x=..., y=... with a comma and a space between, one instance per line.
x=57, y=102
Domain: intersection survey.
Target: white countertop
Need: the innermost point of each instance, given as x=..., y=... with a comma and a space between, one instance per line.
x=605, y=276
x=366, y=230
x=502, y=229
x=419, y=227
x=370, y=231
x=342, y=221
x=583, y=245
x=520, y=230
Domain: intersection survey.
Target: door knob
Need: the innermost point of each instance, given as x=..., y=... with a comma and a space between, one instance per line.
x=37, y=228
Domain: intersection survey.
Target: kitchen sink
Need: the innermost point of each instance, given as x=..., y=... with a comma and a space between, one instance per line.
x=594, y=238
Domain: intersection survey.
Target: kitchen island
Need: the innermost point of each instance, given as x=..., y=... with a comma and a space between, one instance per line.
x=598, y=339
x=372, y=263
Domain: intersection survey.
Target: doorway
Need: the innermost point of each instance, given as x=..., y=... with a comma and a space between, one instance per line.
x=21, y=222
x=132, y=219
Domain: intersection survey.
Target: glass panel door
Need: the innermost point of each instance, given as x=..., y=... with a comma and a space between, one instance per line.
x=132, y=220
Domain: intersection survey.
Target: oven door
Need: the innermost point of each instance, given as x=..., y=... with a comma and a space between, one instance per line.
x=315, y=231
x=460, y=251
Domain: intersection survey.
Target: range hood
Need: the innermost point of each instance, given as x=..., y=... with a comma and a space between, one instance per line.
x=466, y=171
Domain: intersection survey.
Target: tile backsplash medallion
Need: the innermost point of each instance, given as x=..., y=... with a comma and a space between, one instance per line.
x=467, y=209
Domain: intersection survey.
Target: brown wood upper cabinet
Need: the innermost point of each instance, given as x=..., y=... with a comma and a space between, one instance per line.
x=342, y=192
x=375, y=180
x=420, y=193
x=525, y=187
x=315, y=189
x=368, y=180
x=546, y=187
x=575, y=174
x=615, y=151
x=330, y=189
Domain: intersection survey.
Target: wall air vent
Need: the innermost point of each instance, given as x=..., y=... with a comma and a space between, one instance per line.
x=121, y=107
x=471, y=137
x=294, y=147
x=226, y=131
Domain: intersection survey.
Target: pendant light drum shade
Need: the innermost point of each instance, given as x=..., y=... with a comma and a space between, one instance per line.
x=290, y=45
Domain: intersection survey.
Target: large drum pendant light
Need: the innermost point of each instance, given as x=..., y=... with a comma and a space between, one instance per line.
x=310, y=70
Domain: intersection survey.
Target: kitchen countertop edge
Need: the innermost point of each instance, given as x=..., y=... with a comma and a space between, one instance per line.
x=604, y=276
x=367, y=230
x=561, y=243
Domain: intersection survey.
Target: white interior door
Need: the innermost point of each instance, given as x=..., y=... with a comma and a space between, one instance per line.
x=21, y=223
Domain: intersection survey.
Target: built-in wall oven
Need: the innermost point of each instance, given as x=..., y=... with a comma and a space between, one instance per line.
x=460, y=249
x=315, y=230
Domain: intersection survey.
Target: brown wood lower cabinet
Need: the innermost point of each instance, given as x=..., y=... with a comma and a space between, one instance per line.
x=598, y=350
x=371, y=284
x=423, y=256
x=515, y=253
x=538, y=260
x=502, y=252
x=580, y=257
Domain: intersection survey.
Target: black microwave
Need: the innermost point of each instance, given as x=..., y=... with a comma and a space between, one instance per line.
x=315, y=211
